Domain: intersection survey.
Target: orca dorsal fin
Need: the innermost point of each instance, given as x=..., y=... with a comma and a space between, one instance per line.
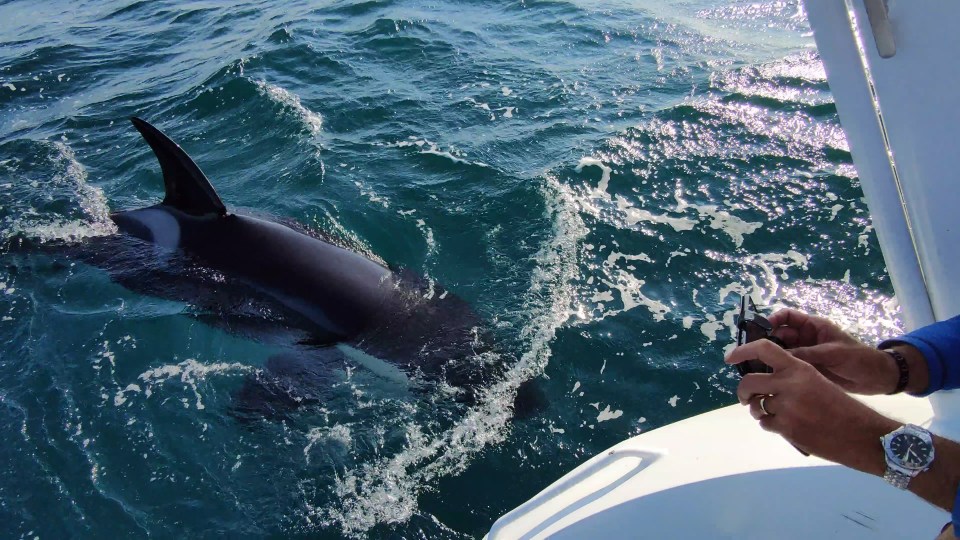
x=187, y=188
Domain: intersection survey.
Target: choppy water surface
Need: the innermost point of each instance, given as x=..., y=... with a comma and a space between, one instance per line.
x=599, y=180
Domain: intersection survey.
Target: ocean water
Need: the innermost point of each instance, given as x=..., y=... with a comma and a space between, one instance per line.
x=599, y=180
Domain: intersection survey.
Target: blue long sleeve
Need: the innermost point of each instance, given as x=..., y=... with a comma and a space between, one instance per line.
x=940, y=345
x=955, y=515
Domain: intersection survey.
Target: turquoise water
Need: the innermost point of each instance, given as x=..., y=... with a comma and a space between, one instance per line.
x=598, y=180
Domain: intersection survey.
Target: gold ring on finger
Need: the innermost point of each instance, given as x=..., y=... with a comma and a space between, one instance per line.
x=763, y=407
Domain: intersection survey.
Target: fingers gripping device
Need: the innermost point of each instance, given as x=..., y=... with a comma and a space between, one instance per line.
x=751, y=326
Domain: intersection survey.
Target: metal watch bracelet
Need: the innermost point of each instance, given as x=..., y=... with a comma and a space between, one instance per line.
x=897, y=479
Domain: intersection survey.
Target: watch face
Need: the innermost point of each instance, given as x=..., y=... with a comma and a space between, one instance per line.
x=912, y=451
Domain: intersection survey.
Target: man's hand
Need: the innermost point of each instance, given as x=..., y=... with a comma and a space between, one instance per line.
x=797, y=329
x=843, y=359
x=809, y=411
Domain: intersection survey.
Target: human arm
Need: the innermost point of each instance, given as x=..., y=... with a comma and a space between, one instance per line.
x=854, y=366
x=819, y=417
x=939, y=346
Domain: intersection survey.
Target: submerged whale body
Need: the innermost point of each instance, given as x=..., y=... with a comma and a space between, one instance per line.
x=242, y=271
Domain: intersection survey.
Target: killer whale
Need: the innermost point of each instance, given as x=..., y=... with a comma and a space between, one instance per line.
x=340, y=291
x=233, y=263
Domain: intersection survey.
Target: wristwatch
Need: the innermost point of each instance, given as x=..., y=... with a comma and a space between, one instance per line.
x=908, y=451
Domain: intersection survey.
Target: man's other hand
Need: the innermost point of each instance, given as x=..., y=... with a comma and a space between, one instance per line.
x=809, y=411
x=797, y=329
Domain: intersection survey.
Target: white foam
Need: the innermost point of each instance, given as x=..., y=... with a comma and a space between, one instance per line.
x=120, y=399
x=602, y=296
x=771, y=263
x=605, y=171
x=615, y=256
x=445, y=154
x=632, y=296
x=69, y=173
x=338, y=433
x=627, y=286
x=711, y=327
x=735, y=287
x=863, y=240
x=675, y=254
x=428, y=238
x=478, y=104
x=636, y=215
x=429, y=147
x=372, y=195
x=607, y=414
x=736, y=228
x=311, y=120
x=190, y=372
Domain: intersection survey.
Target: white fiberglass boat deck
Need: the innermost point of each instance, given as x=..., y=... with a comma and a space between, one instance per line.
x=718, y=475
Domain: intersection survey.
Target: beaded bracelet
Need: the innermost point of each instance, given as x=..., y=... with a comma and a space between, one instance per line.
x=904, y=369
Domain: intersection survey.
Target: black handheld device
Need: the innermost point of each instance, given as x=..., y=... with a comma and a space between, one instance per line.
x=751, y=326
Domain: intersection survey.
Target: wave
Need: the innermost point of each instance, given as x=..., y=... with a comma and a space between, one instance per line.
x=385, y=491
x=362, y=8
x=795, y=82
x=61, y=207
x=310, y=120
